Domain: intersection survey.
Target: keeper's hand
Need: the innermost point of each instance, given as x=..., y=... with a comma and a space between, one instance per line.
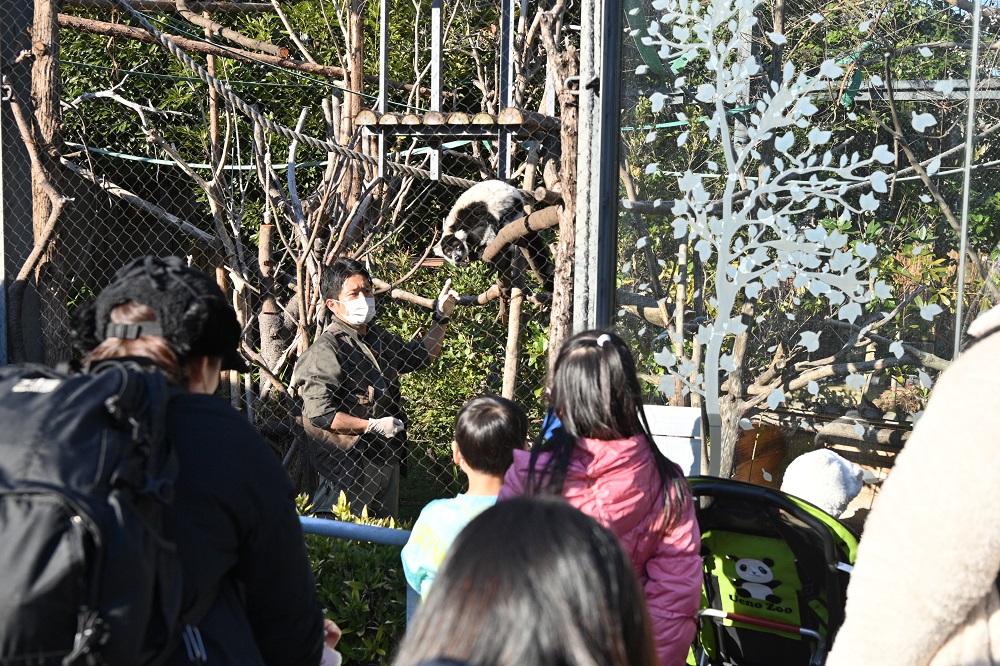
x=387, y=426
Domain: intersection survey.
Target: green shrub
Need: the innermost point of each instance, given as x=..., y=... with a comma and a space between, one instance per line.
x=361, y=587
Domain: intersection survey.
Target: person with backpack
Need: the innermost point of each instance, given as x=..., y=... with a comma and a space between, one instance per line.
x=247, y=596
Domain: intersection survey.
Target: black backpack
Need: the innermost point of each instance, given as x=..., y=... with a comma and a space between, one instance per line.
x=85, y=471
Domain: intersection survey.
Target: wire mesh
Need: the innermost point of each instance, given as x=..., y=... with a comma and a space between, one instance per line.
x=154, y=161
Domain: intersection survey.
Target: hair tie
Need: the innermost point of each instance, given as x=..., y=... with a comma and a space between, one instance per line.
x=601, y=339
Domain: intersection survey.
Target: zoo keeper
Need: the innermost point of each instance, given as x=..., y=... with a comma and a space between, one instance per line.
x=355, y=426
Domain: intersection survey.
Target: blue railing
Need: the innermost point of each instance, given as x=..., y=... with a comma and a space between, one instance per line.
x=338, y=529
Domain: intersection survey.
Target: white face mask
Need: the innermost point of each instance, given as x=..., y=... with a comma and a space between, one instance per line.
x=358, y=311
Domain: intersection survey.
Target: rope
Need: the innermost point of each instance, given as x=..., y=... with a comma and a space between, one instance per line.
x=274, y=127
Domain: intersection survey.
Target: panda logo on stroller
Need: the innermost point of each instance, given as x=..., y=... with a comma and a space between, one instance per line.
x=755, y=579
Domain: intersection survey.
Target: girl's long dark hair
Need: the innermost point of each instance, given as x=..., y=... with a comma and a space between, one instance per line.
x=596, y=395
x=533, y=582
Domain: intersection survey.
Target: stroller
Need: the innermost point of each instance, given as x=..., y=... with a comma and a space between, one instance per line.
x=776, y=571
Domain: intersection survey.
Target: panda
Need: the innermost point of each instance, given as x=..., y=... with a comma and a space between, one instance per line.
x=756, y=580
x=476, y=218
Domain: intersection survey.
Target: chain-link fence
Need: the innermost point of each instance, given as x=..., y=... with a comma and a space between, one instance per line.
x=261, y=178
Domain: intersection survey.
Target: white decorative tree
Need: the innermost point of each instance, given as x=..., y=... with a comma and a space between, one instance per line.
x=764, y=230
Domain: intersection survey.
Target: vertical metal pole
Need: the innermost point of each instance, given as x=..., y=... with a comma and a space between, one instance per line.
x=506, y=96
x=610, y=114
x=587, y=170
x=3, y=251
x=435, y=81
x=970, y=133
x=382, y=104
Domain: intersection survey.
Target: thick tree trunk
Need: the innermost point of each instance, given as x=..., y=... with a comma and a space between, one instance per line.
x=50, y=278
x=565, y=66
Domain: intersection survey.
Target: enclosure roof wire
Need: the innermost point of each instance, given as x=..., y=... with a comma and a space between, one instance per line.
x=159, y=162
x=174, y=77
x=277, y=128
x=234, y=167
x=754, y=179
x=193, y=36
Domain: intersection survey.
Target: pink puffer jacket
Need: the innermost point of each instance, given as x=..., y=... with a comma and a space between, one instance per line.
x=617, y=483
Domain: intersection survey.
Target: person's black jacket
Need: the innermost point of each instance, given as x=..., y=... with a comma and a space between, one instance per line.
x=239, y=541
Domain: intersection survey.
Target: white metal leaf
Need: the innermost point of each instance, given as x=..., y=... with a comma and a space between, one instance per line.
x=883, y=154
x=866, y=250
x=745, y=424
x=882, y=290
x=944, y=86
x=665, y=357
x=775, y=398
x=726, y=363
x=641, y=69
x=921, y=121
x=682, y=138
x=706, y=92
x=925, y=52
x=928, y=312
x=830, y=69
x=651, y=168
x=766, y=475
x=668, y=386
x=785, y=142
x=897, y=349
x=859, y=430
x=810, y=340
x=642, y=242
x=813, y=388
x=878, y=180
x=651, y=137
x=657, y=100
x=934, y=166
x=777, y=38
x=849, y=312
x=925, y=379
x=926, y=198
x=704, y=249
x=816, y=18
x=868, y=201
x=855, y=381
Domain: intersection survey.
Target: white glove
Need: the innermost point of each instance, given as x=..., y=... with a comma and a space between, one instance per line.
x=330, y=657
x=387, y=426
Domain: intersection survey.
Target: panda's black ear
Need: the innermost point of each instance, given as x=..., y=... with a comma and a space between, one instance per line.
x=768, y=561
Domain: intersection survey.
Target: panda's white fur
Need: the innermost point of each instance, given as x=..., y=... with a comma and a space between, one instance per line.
x=477, y=216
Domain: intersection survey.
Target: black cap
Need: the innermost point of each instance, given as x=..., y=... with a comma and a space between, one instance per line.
x=192, y=313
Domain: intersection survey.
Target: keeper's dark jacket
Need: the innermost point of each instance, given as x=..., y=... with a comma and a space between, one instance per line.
x=344, y=371
x=239, y=541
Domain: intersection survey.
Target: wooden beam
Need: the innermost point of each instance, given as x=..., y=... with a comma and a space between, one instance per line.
x=528, y=119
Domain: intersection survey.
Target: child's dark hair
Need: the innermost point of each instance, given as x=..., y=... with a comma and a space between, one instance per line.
x=487, y=430
x=533, y=582
x=596, y=394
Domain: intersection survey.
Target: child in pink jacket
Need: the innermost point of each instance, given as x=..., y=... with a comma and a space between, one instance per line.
x=603, y=461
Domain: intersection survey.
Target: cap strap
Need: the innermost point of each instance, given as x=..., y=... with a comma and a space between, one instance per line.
x=133, y=331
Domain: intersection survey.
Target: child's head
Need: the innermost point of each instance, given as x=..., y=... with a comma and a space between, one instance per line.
x=595, y=390
x=542, y=560
x=487, y=430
